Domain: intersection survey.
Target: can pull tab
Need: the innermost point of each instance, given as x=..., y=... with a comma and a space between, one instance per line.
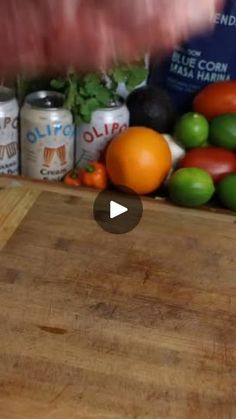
x=53, y=102
x=45, y=100
x=48, y=103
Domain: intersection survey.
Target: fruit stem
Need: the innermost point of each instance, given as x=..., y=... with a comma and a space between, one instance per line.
x=90, y=169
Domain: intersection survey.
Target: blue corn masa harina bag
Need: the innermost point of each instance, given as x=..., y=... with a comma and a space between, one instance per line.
x=200, y=61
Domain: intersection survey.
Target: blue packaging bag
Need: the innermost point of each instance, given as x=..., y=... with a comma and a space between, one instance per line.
x=200, y=61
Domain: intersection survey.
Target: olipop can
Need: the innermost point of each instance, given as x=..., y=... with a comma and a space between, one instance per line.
x=47, y=137
x=9, y=136
x=92, y=138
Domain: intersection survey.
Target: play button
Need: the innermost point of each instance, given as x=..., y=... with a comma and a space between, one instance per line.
x=116, y=209
x=118, y=212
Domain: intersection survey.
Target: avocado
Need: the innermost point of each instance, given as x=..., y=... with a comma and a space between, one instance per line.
x=223, y=131
x=151, y=107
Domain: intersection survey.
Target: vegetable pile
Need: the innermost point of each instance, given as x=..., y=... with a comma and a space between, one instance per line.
x=191, y=159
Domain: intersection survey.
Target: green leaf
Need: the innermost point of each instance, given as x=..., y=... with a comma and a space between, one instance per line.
x=82, y=92
x=103, y=95
x=71, y=96
x=120, y=74
x=79, y=99
x=93, y=104
x=91, y=89
x=133, y=82
x=92, y=78
x=78, y=120
x=87, y=118
x=131, y=75
x=58, y=84
x=87, y=109
x=136, y=77
x=91, y=83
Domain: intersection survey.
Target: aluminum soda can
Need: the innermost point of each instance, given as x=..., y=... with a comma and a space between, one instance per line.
x=9, y=135
x=92, y=138
x=47, y=137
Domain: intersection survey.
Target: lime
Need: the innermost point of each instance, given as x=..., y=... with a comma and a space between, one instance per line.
x=192, y=130
x=191, y=187
x=226, y=191
x=223, y=131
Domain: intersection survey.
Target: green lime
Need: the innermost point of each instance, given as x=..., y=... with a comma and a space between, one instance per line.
x=192, y=130
x=223, y=131
x=226, y=191
x=191, y=187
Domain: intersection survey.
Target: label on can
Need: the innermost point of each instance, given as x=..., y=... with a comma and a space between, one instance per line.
x=9, y=152
x=92, y=139
x=47, y=149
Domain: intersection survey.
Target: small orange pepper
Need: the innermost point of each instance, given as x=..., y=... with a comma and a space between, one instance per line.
x=72, y=178
x=94, y=175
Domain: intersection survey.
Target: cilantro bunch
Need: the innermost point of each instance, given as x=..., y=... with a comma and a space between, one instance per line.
x=84, y=94
x=87, y=93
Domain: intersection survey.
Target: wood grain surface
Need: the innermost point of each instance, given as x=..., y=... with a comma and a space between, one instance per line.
x=14, y=205
x=96, y=326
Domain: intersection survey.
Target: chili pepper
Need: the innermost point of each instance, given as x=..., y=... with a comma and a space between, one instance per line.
x=72, y=178
x=94, y=176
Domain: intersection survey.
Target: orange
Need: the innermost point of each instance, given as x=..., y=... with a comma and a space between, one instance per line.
x=140, y=159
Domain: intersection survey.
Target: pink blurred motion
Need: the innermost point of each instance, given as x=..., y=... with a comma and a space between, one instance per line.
x=39, y=36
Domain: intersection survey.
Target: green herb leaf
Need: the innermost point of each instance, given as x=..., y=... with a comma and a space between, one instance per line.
x=92, y=82
x=71, y=96
x=78, y=120
x=137, y=76
x=84, y=94
x=103, y=95
x=120, y=74
x=93, y=104
x=58, y=84
x=87, y=108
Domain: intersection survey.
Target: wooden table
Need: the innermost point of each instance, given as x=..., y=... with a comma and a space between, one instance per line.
x=96, y=326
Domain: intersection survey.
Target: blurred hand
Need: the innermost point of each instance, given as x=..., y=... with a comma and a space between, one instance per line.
x=50, y=35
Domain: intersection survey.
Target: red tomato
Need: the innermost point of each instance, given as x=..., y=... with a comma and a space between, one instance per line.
x=218, y=162
x=216, y=99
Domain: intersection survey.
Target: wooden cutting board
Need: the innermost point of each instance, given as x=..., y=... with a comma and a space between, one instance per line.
x=96, y=326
